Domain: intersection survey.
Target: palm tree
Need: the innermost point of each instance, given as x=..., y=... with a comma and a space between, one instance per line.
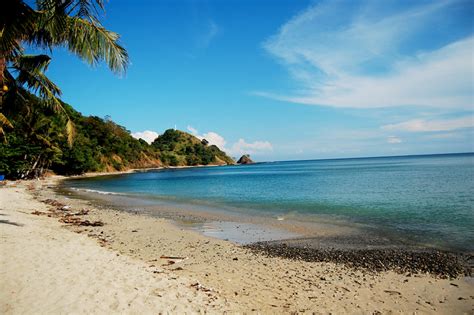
x=73, y=24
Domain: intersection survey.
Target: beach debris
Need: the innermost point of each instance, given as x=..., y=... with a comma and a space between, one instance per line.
x=345, y=289
x=36, y=212
x=172, y=257
x=392, y=292
x=200, y=287
x=65, y=208
x=102, y=241
x=89, y=223
x=82, y=212
x=69, y=219
x=53, y=203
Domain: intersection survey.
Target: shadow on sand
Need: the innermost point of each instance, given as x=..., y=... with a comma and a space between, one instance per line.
x=10, y=223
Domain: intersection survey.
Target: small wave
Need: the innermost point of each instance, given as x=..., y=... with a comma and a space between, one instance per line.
x=96, y=191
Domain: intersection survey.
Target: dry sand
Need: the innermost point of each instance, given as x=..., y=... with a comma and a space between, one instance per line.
x=118, y=268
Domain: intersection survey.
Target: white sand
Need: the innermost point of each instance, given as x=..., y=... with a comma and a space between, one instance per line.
x=46, y=269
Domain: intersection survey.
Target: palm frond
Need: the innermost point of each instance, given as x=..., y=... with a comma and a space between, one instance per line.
x=30, y=71
x=17, y=22
x=39, y=83
x=93, y=43
x=50, y=23
x=80, y=8
x=88, y=9
x=71, y=132
x=2, y=134
x=33, y=63
x=4, y=121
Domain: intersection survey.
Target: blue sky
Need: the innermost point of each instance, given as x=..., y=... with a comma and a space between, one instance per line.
x=289, y=79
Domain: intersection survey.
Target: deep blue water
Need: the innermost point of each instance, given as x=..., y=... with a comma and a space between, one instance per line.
x=428, y=199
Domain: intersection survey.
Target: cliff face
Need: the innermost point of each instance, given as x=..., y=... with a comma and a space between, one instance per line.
x=245, y=159
x=178, y=148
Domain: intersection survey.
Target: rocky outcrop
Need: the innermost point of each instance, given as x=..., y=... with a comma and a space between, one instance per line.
x=245, y=159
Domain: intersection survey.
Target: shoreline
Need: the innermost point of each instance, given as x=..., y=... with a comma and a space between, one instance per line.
x=240, y=279
x=347, y=246
x=135, y=170
x=224, y=222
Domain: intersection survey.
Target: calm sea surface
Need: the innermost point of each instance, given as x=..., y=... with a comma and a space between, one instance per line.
x=425, y=199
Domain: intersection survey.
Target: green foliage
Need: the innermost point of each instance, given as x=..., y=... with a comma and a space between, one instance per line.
x=71, y=24
x=39, y=142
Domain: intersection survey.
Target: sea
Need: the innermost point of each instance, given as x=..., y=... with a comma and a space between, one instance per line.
x=425, y=199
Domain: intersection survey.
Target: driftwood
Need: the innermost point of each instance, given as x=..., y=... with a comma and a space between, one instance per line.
x=172, y=257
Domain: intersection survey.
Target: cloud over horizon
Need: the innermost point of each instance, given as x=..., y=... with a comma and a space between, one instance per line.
x=394, y=139
x=420, y=125
x=238, y=148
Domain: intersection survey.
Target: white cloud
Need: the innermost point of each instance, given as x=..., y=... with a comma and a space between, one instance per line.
x=147, y=135
x=420, y=125
x=192, y=130
x=257, y=147
x=214, y=139
x=238, y=148
x=334, y=49
x=394, y=140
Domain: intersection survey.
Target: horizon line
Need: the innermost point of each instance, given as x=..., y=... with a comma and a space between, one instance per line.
x=369, y=157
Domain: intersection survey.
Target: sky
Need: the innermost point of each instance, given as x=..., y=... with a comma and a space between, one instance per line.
x=288, y=79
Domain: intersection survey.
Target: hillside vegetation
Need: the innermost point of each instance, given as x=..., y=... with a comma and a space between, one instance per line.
x=180, y=148
x=38, y=142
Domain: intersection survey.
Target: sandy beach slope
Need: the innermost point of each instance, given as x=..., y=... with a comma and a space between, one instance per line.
x=139, y=264
x=46, y=269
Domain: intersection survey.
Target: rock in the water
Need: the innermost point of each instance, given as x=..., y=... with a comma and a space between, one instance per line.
x=245, y=159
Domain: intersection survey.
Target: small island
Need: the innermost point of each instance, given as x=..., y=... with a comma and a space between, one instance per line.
x=245, y=159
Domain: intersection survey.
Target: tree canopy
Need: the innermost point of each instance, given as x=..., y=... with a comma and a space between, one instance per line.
x=73, y=24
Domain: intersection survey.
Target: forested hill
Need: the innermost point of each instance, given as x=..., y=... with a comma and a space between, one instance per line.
x=180, y=148
x=38, y=142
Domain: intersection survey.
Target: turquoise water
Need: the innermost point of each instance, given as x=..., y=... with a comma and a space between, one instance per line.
x=425, y=199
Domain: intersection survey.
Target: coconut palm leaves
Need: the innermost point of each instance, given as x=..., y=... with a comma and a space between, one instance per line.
x=93, y=43
x=30, y=73
x=73, y=24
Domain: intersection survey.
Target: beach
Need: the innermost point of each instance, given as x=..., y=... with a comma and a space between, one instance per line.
x=139, y=264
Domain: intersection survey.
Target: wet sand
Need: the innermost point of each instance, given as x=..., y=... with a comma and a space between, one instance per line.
x=225, y=223
x=192, y=271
